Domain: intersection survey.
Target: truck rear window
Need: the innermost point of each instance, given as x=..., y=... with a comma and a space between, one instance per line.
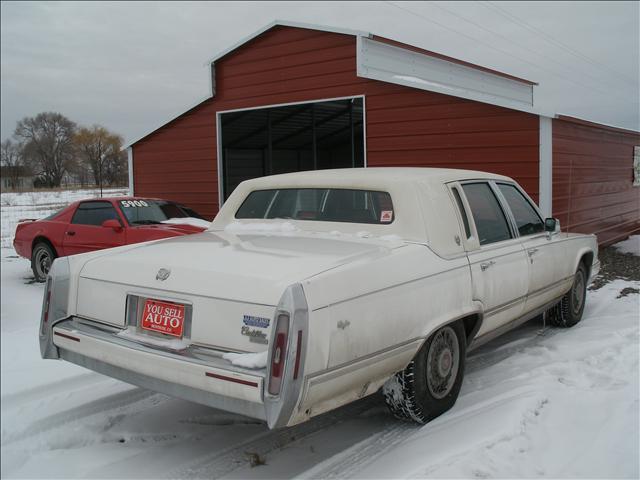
x=319, y=204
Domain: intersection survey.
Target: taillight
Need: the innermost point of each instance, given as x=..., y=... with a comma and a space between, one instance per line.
x=47, y=302
x=279, y=354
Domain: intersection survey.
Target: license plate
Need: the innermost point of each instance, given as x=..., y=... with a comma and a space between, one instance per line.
x=163, y=317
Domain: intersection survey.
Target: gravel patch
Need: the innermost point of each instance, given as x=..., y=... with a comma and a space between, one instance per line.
x=616, y=265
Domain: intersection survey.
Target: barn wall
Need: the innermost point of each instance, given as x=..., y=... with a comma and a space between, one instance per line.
x=592, y=180
x=404, y=126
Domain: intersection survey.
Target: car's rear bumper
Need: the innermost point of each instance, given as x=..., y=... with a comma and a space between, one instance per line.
x=197, y=374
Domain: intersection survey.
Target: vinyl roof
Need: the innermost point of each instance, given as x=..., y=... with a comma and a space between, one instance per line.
x=376, y=174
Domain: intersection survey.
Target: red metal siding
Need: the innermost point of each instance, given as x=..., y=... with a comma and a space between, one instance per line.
x=404, y=126
x=592, y=180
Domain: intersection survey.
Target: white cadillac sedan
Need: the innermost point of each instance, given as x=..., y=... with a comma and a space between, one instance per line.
x=311, y=290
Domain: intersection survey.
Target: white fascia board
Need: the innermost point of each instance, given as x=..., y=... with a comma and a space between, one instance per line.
x=545, y=152
x=287, y=23
x=388, y=63
x=596, y=122
x=130, y=166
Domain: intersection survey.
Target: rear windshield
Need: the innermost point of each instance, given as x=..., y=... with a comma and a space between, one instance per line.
x=319, y=204
x=145, y=212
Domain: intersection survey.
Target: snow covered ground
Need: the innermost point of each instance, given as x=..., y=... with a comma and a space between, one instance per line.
x=564, y=403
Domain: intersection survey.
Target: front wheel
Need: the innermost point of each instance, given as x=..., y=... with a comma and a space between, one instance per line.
x=569, y=311
x=430, y=384
x=41, y=259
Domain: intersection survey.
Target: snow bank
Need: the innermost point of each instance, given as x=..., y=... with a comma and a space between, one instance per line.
x=195, y=222
x=247, y=360
x=174, y=344
x=630, y=245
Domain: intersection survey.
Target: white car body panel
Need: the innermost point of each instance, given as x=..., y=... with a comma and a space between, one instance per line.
x=360, y=299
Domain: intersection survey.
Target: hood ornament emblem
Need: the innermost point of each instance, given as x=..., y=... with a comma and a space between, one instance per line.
x=163, y=274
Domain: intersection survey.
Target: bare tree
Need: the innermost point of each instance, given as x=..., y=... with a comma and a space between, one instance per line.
x=99, y=148
x=47, y=141
x=116, y=169
x=11, y=157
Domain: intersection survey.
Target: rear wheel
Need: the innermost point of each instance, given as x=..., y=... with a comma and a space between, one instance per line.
x=42, y=257
x=430, y=384
x=569, y=311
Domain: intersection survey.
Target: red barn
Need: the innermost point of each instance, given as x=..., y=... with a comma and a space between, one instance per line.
x=299, y=97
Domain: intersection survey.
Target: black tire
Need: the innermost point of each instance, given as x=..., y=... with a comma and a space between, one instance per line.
x=569, y=311
x=42, y=257
x=416, y=395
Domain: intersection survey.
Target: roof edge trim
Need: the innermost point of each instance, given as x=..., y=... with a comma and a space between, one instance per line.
x=589, y=123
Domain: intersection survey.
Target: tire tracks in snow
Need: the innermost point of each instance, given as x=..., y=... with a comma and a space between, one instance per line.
x=226, y=461
x=74, y=383
x=350, y=461
x=77, y=414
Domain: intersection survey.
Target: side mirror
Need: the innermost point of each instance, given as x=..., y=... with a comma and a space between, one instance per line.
x=112, y=223
x=551, y=225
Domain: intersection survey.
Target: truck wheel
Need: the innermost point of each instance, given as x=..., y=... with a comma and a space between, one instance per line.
x=430, y=384
x=569, y=311
x=41, y=259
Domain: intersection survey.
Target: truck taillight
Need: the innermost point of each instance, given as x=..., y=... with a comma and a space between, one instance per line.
x=279, y=354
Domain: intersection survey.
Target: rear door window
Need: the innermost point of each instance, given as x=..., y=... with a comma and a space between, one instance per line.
x=527, y=219
x=94, y=213
x=491, y=222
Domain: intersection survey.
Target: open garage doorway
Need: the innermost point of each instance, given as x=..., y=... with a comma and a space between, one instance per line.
x=291, y=138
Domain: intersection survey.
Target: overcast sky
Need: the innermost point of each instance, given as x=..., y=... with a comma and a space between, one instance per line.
x=130, y=66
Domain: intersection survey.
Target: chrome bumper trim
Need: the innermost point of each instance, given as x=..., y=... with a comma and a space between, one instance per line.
x=234, y=405
x=197, y=356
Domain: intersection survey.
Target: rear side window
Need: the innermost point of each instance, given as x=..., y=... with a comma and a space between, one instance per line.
x=94, y=213
x=489, y=218
x=527, y=219
x=319, y=204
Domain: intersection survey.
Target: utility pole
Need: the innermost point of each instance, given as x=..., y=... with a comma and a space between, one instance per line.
x=100, y=172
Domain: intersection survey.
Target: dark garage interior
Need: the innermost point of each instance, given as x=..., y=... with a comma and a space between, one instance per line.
x=309, y=136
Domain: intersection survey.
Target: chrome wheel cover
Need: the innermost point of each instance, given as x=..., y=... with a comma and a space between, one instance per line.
x=42, y=261
x=443, y=362
x=578, y=292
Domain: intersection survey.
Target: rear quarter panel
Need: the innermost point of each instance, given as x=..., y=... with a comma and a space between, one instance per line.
x=373, y=309
x=577, y=245
x=51, y=230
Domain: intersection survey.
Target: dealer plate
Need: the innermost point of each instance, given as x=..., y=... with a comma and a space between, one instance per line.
x=163, y=317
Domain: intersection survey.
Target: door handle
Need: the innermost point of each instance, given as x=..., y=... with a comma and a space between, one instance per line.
x=532, y=251
x=484, y=266
x=71, y=233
